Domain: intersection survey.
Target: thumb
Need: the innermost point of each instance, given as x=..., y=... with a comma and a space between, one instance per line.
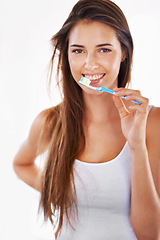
x=123, y=112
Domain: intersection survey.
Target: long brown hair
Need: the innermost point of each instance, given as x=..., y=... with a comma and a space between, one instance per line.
x=63, y=131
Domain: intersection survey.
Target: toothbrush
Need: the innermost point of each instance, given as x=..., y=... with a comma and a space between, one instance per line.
x=85, y=82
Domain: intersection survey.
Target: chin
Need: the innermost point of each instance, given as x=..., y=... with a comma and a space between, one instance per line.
x=92, y=92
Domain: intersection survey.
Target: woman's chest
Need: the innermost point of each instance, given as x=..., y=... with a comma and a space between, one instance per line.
x=102, y=143
x=106, y=184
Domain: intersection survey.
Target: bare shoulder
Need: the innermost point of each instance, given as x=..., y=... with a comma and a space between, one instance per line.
x=38, y=126
x=38, y=123
x=153, y=123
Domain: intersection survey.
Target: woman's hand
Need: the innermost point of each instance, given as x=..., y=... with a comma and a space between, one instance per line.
x=134, y=117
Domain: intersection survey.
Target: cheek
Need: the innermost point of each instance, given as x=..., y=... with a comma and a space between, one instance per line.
x=75, y=65
x=73, y=68
x=114, y=64
x=71, y=64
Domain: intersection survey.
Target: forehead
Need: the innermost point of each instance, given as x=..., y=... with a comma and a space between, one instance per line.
x=94, y=32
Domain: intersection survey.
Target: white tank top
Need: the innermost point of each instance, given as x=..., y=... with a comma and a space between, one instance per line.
x=103, y=193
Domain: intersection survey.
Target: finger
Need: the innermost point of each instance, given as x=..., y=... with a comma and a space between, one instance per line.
x=125, y=91
x=139, y=108
x=123, y=112
x=130, y=94
x=140, y=99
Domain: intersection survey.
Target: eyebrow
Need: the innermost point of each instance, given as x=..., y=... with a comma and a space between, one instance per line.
x=99, y=45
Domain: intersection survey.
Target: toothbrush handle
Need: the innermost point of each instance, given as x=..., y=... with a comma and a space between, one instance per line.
x=112, y=92
x=107, y=90
x=136, y=102
x=133, y=100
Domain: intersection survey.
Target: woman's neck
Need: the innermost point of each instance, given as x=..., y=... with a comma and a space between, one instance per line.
x=100, y=108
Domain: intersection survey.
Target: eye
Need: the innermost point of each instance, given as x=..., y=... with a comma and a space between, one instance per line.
x=77, y=51
x=104, y=50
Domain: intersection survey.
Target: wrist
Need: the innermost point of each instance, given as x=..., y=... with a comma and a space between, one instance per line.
x=138, y=148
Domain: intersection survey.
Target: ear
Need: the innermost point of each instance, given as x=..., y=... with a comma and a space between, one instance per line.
x=124, y=55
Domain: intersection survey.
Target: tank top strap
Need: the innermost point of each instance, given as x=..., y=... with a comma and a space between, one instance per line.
x=150, y=107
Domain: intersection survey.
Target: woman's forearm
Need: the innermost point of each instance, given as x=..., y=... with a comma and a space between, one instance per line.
x=145, y=202
x=30, y=174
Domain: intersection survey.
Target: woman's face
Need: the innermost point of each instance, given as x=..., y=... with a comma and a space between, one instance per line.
x=95, y=53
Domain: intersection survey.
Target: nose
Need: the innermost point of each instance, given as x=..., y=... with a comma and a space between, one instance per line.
x=90, y=62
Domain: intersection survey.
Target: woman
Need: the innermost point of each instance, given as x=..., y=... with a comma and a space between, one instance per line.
x=103, y=162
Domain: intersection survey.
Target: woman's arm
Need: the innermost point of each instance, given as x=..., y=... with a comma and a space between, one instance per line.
x=24, y=161
x=145, y=207
x=145, y=201
x=145, y=194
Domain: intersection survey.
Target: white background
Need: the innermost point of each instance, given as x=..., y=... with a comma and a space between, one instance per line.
x=25, y=31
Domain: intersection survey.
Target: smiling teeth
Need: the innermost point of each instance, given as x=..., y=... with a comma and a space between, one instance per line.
x=94, y=77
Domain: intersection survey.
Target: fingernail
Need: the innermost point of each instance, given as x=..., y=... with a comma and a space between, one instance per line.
x=115, y=89
x=117, y=93
x=131, y=107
